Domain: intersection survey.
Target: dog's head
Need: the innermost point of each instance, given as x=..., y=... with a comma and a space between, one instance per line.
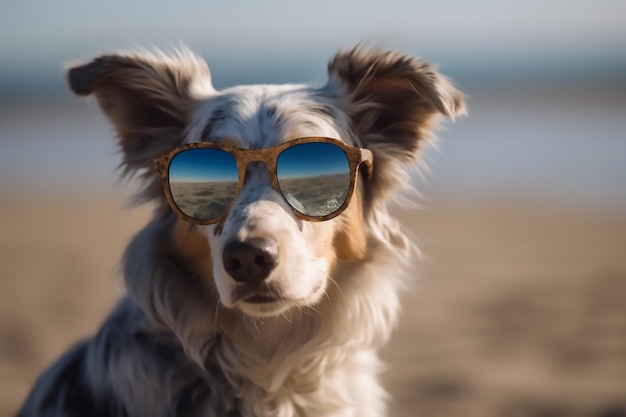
x=261, y=258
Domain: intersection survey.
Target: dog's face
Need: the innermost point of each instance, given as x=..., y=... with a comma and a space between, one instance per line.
x=265, y=259
x=261, y=258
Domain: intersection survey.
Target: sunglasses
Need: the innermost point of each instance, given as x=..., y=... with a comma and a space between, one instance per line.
x=316, y=176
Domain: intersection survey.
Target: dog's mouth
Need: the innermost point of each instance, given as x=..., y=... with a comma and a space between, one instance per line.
x=263, y=294
x=260, y=299
x=269, y=298
x=260, y=302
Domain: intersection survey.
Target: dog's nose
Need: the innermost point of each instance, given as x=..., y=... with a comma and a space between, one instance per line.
x=250, y=261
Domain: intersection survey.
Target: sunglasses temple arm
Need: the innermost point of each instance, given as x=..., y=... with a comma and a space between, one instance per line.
x=159, y=164
x=367, y=157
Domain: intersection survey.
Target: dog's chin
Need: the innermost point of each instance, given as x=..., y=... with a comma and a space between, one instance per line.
x=266, y=309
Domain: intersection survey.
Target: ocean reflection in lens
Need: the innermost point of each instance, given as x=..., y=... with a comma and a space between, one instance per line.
x=314, y=178
x=203, y=182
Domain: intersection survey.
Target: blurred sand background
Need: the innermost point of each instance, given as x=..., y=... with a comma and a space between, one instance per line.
x=519, y=306
x=517, y=312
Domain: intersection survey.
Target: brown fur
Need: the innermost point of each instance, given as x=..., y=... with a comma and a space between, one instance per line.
x=193, y=245
x=350, y=242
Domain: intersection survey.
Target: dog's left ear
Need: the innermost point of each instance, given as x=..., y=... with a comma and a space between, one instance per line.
x=149, y=99
x=391, y=100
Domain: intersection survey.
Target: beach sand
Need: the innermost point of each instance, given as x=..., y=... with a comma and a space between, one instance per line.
x=516, y=311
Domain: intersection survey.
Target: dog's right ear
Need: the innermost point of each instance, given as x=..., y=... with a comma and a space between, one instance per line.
x=149, y=99
x=393, y=101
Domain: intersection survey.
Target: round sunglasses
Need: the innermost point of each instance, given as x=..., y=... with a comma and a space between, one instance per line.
x=315, y=175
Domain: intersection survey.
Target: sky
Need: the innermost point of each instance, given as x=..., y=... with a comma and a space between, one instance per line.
x=245, y=41
x=520, y=137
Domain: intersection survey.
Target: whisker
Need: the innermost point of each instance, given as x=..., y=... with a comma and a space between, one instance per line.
x=286, y=317
x=336, y=284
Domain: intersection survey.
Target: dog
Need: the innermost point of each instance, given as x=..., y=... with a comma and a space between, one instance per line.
x=272, y=298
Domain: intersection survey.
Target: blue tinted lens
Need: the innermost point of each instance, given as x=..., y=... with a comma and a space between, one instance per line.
x=314, y=177
x=203, y=182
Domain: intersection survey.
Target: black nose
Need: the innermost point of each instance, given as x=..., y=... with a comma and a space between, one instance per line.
x=250, y=261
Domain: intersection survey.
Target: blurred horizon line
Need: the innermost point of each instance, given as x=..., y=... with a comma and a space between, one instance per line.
x=47, y=79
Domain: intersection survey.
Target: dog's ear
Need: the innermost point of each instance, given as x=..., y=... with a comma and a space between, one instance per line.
x=391, y=100
x=149, y=99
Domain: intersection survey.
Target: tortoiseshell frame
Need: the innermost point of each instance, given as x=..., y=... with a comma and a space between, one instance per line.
x=269, y=156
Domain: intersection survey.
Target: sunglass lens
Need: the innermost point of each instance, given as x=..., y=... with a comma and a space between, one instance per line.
x=203, y=182
x=314, y=177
